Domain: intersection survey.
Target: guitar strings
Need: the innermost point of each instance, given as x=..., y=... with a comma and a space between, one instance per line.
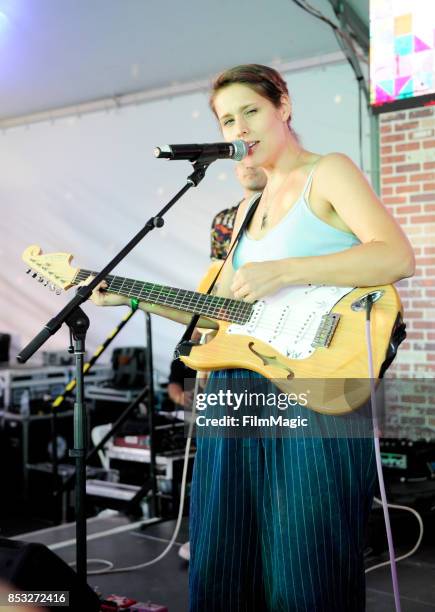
x=240, y=308
x=182, y=298
x=268, y=324
x=238, y=312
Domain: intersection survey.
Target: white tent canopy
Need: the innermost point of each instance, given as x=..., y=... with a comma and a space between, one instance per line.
x=55, y=54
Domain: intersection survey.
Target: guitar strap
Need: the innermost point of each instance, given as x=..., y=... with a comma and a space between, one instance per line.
x=183, y=347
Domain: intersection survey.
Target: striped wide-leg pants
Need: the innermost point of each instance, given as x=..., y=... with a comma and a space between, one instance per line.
x=277, y=524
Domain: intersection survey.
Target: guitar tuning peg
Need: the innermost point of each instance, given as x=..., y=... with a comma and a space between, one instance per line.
x=46, y=283
x=41, y=279
x=58, y=291
x=52, y=287
x=28, y=271
x=34, y=275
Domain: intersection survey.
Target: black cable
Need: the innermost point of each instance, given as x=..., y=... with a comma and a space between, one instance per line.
x=369, y=305
x=337, y=31
x=339, y=35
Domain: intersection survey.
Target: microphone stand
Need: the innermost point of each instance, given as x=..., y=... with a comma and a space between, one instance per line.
x=78, y=323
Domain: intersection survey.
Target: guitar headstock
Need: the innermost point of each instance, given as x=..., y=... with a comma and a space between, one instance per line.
x=52, y=269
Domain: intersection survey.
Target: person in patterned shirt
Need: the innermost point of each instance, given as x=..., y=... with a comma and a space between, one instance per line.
x=252, y=180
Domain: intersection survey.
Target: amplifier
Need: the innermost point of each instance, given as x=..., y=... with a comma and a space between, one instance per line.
x=408, y=460
x=28, y=440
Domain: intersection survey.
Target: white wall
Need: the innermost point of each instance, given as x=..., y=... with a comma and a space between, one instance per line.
x=85, y=185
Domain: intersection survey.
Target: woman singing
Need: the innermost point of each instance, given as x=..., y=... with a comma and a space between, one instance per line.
x=277, y=523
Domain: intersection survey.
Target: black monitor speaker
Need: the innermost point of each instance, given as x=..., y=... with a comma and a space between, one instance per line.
x=34, y=567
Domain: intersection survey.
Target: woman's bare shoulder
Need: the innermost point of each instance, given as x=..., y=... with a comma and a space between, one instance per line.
x=336, y=162
x=335, y=169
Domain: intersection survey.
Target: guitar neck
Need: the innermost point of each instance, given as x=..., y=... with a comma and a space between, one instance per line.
x=223, y=309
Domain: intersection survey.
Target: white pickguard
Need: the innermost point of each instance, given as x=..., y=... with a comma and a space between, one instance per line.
x=290, y=319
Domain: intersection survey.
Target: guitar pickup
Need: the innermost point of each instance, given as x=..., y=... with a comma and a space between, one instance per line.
x=325, y=333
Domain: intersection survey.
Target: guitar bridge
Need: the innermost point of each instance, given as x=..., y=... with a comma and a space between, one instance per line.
x=326, y=330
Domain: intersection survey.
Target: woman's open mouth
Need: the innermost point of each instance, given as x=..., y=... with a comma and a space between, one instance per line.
x=252, y=145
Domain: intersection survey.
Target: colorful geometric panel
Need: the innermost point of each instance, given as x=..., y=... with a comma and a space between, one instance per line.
x=404, y=88
x=424, y=82
x=385, y=95
x=403, y=45
x=403, y=25
x=400, y=85
x=404, y=65
x=423, y=61
x=420, y=45
x=402, y=49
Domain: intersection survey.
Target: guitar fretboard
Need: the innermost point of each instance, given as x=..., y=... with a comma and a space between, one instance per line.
x=223, y=309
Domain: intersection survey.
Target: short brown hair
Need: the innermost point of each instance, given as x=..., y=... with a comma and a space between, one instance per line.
x=264, y=80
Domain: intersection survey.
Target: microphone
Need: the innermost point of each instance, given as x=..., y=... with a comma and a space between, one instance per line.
x=236, y=150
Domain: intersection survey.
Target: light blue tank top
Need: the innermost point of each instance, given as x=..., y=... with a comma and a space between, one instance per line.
x=299, y=234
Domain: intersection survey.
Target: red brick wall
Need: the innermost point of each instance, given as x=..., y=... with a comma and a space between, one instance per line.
x=407, y=150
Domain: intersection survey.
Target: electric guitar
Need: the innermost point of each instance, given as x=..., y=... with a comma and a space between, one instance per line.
x=302, y=337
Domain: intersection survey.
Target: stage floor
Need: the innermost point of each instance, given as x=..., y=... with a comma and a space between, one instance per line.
x=124, y=542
